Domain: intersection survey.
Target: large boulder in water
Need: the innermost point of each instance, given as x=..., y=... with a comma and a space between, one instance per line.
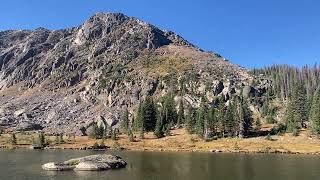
x=89, y=163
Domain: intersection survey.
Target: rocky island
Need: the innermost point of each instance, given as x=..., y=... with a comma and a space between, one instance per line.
x=89, y=163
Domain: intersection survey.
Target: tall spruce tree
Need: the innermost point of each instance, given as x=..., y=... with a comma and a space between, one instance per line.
x=210, y=125
x=138, y=121
x=190, y=120
x=244, y=118
x=296, y=112
x=181, y=113
x=125, y=121
x=159, y=130
x=314, y=116
x=41, y=140
x=169, y=111
x=149, y=115
x=230, y=123
x=200, y=119
x=221, y=118
x=13, y=139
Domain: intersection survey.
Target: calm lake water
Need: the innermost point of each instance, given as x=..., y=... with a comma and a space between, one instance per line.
x=26, y=165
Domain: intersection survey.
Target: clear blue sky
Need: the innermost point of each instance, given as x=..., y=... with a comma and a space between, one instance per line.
x=252, y=33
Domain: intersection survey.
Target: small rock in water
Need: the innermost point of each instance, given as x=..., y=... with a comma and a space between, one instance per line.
x=89, y=163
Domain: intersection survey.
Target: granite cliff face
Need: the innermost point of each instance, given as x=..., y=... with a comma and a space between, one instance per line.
x=63, y=80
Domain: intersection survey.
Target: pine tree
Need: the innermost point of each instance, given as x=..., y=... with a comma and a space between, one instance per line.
x=13, y=139
x=125, y=121
x=300, y=102
x=221, y=118
x=296, y=113
x=239, y=116
x=169, y=111
x=200, y=121
x=159, y=126
x=130, y=136
x=230, y=123
x=149, y=115
x=61, y=140
x=41, y=140
x=290, y=120
x=114, y=135
x=314, y=117
x=190, y=120
x=138, y=122
x=94, y=134
x=210, y=125
x=247, y=118
x=181, y=113
x=57, y=141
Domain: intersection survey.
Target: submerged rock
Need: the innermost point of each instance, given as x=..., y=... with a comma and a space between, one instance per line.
x=89, y=163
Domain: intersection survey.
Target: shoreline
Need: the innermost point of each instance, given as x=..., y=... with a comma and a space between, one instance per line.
x=166, y=150
x=180, y=141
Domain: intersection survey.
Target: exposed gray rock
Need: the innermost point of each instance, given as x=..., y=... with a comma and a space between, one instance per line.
x=27, y=126
x=65, y=79
x=88, y=163
x=19, y=112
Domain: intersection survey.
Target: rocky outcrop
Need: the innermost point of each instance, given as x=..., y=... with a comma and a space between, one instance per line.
x=88, y=163
x=64, y=80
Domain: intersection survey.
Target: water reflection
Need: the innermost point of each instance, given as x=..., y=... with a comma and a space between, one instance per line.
x=24, y=164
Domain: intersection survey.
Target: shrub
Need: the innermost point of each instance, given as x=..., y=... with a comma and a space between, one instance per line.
x=95, y=146
x=278, y=129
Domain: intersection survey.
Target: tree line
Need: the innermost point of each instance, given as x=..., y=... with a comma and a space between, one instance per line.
x=207, y=121
x=298, y=89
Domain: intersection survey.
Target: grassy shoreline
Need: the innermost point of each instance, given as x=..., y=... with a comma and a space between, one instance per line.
x=181, y=141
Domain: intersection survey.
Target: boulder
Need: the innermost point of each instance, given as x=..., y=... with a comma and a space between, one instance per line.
x=19, y=112
x=28, y=126
x=2, y=112
x=89, y=163
x=248, y=91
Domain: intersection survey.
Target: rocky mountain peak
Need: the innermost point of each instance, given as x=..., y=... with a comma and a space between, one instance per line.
x=105, y=65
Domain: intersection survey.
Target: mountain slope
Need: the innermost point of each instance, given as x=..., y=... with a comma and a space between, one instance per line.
x=63, y=80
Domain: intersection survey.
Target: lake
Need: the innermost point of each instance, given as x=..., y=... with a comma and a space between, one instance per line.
x=26, y=165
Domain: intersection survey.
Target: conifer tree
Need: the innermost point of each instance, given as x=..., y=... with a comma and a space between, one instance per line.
x=245, y=118
x=61, y=140
x=221, y=118
x=230, y=123
x=125, y=121
x=181, y=113
x=138, y=123
x=57, y=139
x=200, y=119
x=167, y=130
x=130, y=135
x=159, y=126
x=290, y=119
x=169, y=111
x=41, y=140
x=210, y=125
x=114, y=134
x=190, y=120
x=13, y=139
x=296, y=113
x=314, y=117
x=149, y=114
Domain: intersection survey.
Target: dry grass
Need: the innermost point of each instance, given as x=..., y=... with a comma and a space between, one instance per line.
x=181, y=141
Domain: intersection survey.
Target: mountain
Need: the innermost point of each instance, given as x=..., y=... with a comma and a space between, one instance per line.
x=63, y=80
